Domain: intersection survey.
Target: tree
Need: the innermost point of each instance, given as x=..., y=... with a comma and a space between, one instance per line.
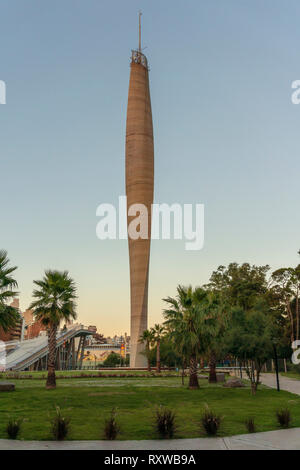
x=147, y=338
x=286, y=285
x=246, y=291
x=113, y=360
x=157, y=333
x=188, y=326
x=240, y=284
x=250, y=338
x=217, y=313
x=168, y=355
x=9, y=316
x=55, y=302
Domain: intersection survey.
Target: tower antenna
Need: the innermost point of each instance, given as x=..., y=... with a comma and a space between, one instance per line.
x=140, y=32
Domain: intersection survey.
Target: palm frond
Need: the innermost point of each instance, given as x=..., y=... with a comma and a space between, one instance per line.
x=55, y=297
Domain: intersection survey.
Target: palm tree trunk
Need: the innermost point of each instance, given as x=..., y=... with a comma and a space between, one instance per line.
x=183, y=369
x=51, y=379
x=212, y=369
x=158, y=357
x=148, y=357
x=193, y=383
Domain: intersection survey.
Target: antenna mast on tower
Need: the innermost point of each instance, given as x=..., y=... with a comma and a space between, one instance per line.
x=140, y=32
x=137, y=56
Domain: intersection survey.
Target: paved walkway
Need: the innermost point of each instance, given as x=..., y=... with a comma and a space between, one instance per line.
x=287, y=439
x=290, y=385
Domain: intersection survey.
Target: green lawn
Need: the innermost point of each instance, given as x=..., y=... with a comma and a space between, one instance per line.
x=88, y=402
x=291, y=375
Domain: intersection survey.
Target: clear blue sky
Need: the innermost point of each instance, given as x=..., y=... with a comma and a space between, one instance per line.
x=226, y=135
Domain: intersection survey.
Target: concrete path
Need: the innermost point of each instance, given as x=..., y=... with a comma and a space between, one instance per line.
x=290, y=385
x=287, y=439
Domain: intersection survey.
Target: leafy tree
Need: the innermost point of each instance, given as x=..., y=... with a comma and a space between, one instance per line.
x=168, y=355
x=113, y=360
x=280, y=322
x=241, y=285
x=157, y=333
x=54, y=302
x=250, y=338
x=286, y=286
x=9, y=316
x=147, y=338
x=245, y=287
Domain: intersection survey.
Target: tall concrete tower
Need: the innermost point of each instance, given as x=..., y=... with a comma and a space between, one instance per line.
x=139, y=190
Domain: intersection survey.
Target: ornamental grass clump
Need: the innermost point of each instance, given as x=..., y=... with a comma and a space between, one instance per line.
x=13, y=428
x=210, y=421
x=283, y=417
x=164, y=422
x=250, y=425
x=60, y=426
x=111, y=426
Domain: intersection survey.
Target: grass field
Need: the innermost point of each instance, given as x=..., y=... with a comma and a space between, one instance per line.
x=291, y=375
x=88, y=401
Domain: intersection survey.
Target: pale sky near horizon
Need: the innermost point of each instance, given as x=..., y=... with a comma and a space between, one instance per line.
x=226, y=135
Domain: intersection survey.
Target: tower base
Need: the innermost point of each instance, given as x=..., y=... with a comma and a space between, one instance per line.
x=137, y=359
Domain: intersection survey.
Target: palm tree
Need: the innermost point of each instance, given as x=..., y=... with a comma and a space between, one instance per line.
x=217, y=313
x=147, y=338
x=9, y=316
x=187, y=327
x=214, y=311
x=55, y=302
x=157, y=332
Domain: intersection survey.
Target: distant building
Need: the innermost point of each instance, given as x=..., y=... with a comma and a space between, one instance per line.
x=26, y=328
x=34, y=329
x=28, y=317
x=15, y=333
x=97, y=351
x=92, y=328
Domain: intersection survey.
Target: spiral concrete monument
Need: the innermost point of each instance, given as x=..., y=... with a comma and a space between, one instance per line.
x=139, y=190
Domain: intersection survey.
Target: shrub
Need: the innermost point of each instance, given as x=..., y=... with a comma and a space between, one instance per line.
x=60, y=426
x=250, y=425
x=111, y=426
x=283, y=417
x=210, y=421
x=13, y=428
x=164, y=422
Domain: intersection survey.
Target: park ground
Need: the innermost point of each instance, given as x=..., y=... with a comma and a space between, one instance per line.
x=89, y=400
x=291, y=375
